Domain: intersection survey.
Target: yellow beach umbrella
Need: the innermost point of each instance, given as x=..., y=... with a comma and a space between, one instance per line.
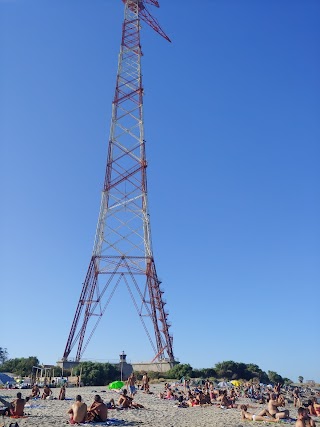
x=235, y=383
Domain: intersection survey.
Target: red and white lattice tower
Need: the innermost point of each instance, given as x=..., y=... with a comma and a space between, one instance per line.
x=122, y=253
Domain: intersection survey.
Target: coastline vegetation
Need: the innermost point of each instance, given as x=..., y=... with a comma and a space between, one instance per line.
x=94, y=373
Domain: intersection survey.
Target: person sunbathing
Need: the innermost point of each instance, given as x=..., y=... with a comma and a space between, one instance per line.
x=78, y=411
x=225, y=401
x=201, y=398
x=35, y=391
x=98, y=411
x=169, y=394
x=46, y=392
x=272, y=408
x=126, y=401
x=17, y=406
x=303, y=418
x=192, y=401
x=316, y=407
x=232, y=396
x=62, y=394
x=296, y=398
x=245, y=415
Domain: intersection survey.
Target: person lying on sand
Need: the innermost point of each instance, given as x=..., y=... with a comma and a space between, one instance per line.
x=245, y=415
x=98, y=411
x=78, y=411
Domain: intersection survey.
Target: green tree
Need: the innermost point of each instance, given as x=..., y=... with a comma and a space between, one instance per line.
x=274, y=377
x=253, y=371
x=99, y=374
x=203, y=373
x=3, y=354
x=20, y=366
x=58, y=371
x=226, y=369
x=231, y=370
x=300, y=379
x=179, y=371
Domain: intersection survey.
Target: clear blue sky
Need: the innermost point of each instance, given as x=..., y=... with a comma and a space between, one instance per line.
x=232, y=128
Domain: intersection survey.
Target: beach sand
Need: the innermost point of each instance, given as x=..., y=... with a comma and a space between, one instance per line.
x=157, y=412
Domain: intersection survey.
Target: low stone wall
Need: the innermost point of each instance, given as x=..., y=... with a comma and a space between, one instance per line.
x=147, y=367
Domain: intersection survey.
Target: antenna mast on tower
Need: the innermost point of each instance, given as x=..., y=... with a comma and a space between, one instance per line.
x=122, y=253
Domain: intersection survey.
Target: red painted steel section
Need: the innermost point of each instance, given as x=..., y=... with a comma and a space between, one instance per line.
x=126, y=164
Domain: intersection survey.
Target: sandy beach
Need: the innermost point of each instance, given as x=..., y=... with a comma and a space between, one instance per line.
x=157, y=413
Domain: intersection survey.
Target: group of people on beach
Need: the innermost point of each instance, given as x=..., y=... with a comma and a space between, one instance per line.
x=79, y=412
x=16, y=407
x=185, y=396
x=133, y=386
x=98, y=411
x=274, y=399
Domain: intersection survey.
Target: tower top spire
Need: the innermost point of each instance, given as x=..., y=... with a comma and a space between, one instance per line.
x=146, y=16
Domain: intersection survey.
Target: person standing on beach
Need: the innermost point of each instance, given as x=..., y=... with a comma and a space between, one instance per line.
x=145, y=383
x=78, y=411
x=131, y=384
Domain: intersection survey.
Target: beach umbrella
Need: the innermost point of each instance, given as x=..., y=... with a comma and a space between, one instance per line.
x=115, y=385
x=222, y=384
x=235, y=383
